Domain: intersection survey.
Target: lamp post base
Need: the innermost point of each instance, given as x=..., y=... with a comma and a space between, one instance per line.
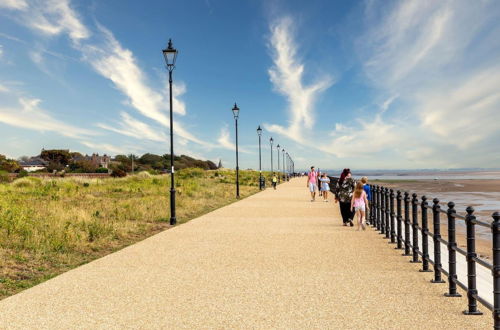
x=173, y=218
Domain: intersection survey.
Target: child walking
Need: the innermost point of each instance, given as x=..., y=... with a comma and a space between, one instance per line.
x=358, y=204
x=325, y=187
x=366, y=187
x=275, y=180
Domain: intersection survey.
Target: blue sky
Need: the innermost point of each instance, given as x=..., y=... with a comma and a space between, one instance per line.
x=359, y=84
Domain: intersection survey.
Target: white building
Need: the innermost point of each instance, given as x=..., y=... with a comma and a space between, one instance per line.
x=34, y=164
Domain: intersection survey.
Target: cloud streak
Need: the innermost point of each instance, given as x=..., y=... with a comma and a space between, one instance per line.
x=137, y=129
x=225, y=142
x=441, y=64
x=109, y=59
x=287, y=75
x=29, y=115
x=14, y=4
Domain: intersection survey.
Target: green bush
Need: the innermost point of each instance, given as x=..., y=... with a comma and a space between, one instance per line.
x=193, y=172
x=4, y=177
x=101, y=170
x=22, y=174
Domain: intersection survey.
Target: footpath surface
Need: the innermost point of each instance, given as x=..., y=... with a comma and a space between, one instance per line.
x=273, y=260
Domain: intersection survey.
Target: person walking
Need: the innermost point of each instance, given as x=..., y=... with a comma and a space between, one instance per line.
x=343, y=195
x=359, y=203
x=312, y=179
x=320, y=192
x=366, y=188
x=274, y=180
x=325, y=186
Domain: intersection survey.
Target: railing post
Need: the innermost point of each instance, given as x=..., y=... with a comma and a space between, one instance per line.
x=452, y=253
x=436, y=217
x=495, y=230
x=377, y=190
x=387, y=213
x=392, y=215
x=373, y=220
x=382, y=210
x=470, y=219
x=368, y=213
x=407, y=224
x=414, y=203
x=425, y=236
x=399, y=199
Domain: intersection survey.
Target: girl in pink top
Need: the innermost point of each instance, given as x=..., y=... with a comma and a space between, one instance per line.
x=359, y=203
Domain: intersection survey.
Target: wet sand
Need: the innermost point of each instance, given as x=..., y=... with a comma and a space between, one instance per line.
x=483, y=195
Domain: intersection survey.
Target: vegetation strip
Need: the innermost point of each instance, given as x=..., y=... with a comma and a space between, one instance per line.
x=48, y=226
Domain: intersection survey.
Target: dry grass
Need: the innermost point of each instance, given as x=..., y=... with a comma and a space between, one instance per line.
x=48, y=226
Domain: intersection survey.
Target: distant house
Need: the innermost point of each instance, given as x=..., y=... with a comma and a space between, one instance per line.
x=99, y=161
x=34, y=164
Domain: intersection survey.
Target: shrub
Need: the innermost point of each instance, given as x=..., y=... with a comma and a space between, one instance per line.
x=144, y=175
x=101, y=170
x=22, y=174
x=118, y=173
x=27, y=182
x=191, y=173
x=4, y=177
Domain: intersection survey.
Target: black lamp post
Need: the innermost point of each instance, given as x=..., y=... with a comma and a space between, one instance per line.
x=259, y=133
x=271, y=142
x=284, y=178
x=236, y=113
x=279, y=175
x=288, y=167
x=170, y=55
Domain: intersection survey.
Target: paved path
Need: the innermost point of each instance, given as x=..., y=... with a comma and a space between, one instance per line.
x=273, y=260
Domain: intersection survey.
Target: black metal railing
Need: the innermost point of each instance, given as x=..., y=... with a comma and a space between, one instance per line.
x=394, y=223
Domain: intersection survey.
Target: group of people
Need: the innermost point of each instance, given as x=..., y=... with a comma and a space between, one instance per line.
x=353, y=197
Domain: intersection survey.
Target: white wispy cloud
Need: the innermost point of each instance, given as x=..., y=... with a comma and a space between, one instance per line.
x=54, y=17
x=225, y=141
x=135, y=128
x=287, y=76
x=120, y=66
x=14, y=4
x=366, y=139
x=109, y=148
x=178, y=89
x=108, y=58
x=387, y=103
x=29, y=115
x=441, y=63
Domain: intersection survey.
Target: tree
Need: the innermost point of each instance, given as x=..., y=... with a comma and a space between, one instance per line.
x=55, y=166
x=122, y=159
x=75, y=155
x=56, y=156
x=83, y=166
x=9, y=165
x=155, y=161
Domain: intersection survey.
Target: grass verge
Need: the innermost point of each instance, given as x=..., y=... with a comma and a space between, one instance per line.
x=48, y=226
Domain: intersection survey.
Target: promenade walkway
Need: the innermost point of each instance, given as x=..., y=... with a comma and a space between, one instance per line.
x=273, y=260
